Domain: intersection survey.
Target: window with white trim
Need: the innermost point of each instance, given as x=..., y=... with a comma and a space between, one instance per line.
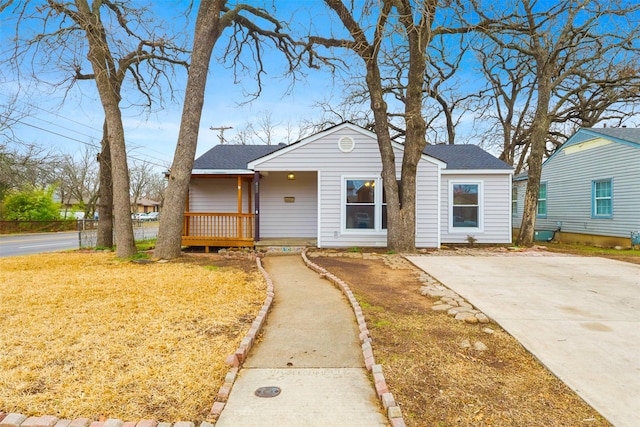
x=365, y=205
x=602, y=200
x=465, y=205
x=514, y=201
x=542, y=200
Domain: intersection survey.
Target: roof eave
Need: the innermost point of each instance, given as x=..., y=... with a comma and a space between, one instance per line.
x=477, y=171
x=222, y=172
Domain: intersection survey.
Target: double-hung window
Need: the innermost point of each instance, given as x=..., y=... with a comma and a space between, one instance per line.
x=466, y=205
x=365, y=206
x=542, y=200
x=602, y=198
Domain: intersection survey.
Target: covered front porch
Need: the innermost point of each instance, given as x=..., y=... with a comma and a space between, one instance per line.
x=223, y=229
x=287, y=215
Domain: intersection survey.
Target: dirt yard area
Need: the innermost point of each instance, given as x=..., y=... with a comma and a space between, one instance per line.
x=432, y=367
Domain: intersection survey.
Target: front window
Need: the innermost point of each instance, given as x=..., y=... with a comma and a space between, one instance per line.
x=466, y=205
x=365, y=205
x=602, y=198
x=542, y=200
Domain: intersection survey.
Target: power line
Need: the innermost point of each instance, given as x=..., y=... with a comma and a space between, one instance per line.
x=84, y=124
x=86, y=143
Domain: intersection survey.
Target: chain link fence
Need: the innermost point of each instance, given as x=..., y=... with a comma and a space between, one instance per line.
x=88, y=232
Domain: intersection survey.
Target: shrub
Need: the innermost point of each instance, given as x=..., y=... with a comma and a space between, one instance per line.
x=31, y=205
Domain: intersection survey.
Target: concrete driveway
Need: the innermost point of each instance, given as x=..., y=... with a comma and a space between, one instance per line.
x=579, y=316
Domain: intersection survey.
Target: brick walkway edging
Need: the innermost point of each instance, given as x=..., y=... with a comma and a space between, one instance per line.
x=386, y=398
x=236, y=359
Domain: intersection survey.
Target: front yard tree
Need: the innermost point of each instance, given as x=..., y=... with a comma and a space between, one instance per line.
x=400, y=29
x=103, y=41
x=559, y=42
x=250, y=27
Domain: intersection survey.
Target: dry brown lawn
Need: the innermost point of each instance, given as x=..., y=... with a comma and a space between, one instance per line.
x=87, y=335
x=433, y=378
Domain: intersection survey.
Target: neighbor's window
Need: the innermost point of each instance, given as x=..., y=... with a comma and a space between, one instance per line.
x=514, y=201
x=542, y=200
x=602, y=198
x=466, y=205
x=365, y=205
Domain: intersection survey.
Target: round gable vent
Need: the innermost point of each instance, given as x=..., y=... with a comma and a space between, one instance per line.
x=346, y=144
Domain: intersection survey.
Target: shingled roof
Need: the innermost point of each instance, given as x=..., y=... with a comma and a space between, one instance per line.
x=465, y=156
x=232, y=157
x=625, y=134
x=236, y=157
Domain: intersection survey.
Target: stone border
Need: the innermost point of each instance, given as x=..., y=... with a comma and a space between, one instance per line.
x=387, y=400
x=19, y=420
x=235, y=360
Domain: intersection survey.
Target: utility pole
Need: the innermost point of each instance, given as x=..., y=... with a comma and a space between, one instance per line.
x=221, y=129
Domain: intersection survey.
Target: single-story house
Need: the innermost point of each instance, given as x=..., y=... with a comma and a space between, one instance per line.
x=326, y=190
x=589, y=188
x=143, y=205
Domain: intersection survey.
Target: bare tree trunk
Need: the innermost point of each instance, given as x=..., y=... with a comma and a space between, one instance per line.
x=105, y=206
x=207, y=32
x=125, y=241
x=539, y=131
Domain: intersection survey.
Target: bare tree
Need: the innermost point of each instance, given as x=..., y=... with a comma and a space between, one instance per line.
x=117, y=41
x=385, y=29
x=264, y=128
x=250, y=27
x=141, y=174
x=155, y=188
x=559, y=42
x=506, y=103
x=25, y=165
x=104, y=237
x=79, y=181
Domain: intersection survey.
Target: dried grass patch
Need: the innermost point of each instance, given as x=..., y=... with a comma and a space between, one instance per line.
x=85, y=335
x=434, y=379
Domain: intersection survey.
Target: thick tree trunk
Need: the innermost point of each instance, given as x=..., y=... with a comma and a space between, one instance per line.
x=398, y=233
x=125, y=241
x=539, y=131
x=105, y=204
x=105, y=75
x=207, y=33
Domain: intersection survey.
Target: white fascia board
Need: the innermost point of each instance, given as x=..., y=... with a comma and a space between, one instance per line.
x=425, y=157
x=221, y=172
x=477, y=171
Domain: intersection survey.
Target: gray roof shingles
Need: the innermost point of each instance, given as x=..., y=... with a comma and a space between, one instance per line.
x=465, y=156
x=625, y=134
x=458, y=157
x=233, y=157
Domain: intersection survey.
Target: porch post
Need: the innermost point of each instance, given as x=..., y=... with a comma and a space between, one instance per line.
x=256, y=190
x=239, y=232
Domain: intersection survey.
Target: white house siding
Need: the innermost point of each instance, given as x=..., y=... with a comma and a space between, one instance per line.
x=216, y=195
x=333, y=165
x=521, y=189
x=427, y=206
x=296, y=217
x=569, y=175
x=495, y=209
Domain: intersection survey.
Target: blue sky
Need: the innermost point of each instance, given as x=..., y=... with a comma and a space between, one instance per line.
x=68, y=125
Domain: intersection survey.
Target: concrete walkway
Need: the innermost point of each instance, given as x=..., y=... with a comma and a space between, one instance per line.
x=310, y=350
x=579, y=316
